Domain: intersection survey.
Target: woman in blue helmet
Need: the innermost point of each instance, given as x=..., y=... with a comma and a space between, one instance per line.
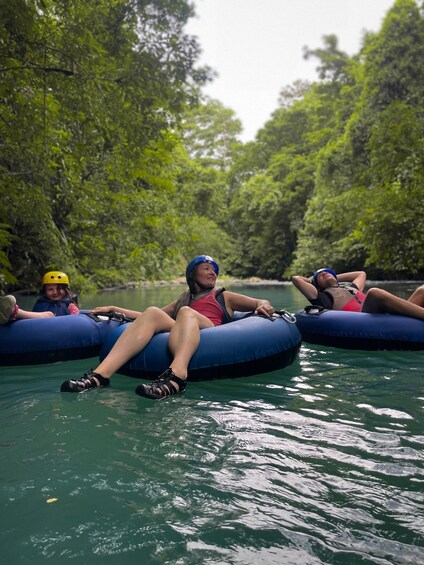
x=345, y=292
x=201, y=306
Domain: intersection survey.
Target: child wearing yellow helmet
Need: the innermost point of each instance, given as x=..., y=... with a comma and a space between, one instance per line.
x=56, y=296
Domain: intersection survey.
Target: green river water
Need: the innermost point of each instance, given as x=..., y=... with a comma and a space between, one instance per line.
x=318, y=463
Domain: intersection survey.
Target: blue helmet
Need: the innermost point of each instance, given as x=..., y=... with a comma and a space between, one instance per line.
x=201, y=259
x=315, y=275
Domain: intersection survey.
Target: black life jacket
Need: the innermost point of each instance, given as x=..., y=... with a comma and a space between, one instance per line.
x=221, y=301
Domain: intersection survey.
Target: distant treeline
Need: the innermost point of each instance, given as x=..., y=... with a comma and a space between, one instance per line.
x=114, y=167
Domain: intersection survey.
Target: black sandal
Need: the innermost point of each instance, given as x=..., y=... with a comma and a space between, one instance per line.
x=86, y=382
x=163, y=387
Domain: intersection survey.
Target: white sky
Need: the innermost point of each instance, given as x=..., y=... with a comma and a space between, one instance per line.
x=256, y=46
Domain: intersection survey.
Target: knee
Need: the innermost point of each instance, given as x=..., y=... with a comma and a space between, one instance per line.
x=375, y=293
x=149, y=313
x=186, y=315
x=377, y=297
x=185, y=312
x=152, y=310
x=379, y=292
x=418, y=296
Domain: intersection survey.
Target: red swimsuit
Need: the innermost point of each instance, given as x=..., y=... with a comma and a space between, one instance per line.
x=209, y=307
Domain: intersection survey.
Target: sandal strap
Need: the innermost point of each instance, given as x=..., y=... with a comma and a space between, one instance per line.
x=165, y=383
x=163, y=387
x=170, y=377
x=89, y=376
x=86, y=382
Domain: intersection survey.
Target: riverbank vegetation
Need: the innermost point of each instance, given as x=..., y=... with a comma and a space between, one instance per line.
x=115, y=167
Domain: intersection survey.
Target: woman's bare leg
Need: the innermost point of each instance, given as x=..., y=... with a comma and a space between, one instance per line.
x=417, y=297
x=185, y=337
x=134, y=339
x=379, y=301
x=183, y=341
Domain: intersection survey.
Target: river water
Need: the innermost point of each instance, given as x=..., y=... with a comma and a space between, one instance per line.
x=318, y=463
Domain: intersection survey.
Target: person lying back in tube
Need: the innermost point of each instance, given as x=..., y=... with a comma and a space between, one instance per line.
x=345, y=292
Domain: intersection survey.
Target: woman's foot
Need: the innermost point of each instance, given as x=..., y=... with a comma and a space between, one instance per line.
x=8, y=308
x=166, y=385
x=88, y=381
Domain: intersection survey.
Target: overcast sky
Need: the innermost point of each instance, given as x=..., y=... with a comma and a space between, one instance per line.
x=256, y=46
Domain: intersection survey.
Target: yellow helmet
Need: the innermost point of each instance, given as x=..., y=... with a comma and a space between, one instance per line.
x=55, y=277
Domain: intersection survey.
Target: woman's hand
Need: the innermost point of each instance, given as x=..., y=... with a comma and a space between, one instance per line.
x=104, y=309
x=264, y=308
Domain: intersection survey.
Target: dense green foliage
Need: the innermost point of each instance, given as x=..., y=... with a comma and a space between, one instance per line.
x=339, y=170
x=114, y=168
x=89, y=94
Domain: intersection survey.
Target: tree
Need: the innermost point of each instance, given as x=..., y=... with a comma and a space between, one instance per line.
x=210, y=133
x=268, y=208
x=362, y=211
x=89, y=93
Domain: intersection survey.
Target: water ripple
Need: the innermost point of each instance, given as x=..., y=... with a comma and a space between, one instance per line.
x=319, y=463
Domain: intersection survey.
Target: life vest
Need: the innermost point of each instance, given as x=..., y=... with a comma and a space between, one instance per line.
x=213, y=307
x=346, y=297
x=58, y=307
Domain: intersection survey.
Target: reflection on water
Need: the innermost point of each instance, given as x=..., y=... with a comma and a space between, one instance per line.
x=321, y=462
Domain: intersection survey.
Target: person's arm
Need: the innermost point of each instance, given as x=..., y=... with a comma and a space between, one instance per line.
x=73, y=308
x=125, y=311
x=169, y=309
x=305, y=286
x=235, y=301
x=359, y=278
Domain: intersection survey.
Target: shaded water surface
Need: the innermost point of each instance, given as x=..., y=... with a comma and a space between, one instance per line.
x=321, y=462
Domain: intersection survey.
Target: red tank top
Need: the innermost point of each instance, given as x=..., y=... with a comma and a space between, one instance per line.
x=355, y=305
x=209, y=307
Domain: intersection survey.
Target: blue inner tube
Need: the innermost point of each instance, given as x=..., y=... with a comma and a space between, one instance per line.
x=244, y=347
x=48, y=340
x=360, y=330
